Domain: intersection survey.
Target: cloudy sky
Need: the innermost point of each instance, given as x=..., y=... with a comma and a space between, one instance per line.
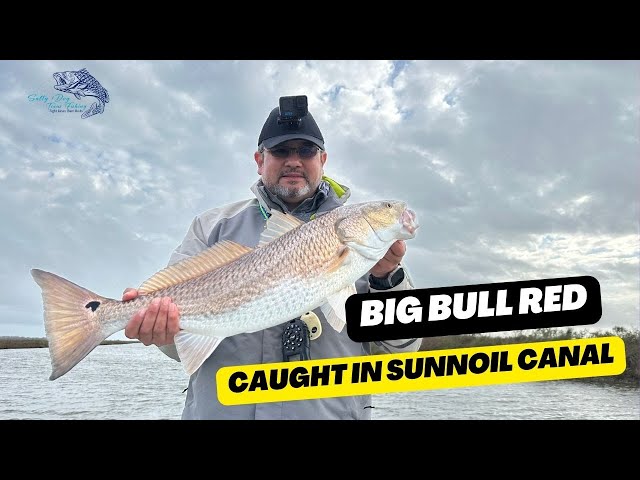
x=518, y=170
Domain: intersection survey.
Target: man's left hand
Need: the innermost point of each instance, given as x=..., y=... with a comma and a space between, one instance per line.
x=390, y=260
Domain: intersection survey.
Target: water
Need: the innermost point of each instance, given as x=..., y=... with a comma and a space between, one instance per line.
x=137, y=382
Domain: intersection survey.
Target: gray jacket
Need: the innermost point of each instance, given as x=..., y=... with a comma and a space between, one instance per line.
x=243, y=223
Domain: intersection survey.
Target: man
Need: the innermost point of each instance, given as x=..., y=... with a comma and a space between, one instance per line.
x=290, y=160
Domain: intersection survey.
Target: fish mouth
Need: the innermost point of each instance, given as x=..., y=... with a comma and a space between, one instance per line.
x=408, y=226
x=409, y=222
x=60, y=81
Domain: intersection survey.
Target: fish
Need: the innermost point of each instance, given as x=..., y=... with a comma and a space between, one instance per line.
x=229, y=288
x=82, y=84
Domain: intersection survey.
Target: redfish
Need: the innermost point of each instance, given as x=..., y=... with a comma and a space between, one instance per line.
x=230, y=288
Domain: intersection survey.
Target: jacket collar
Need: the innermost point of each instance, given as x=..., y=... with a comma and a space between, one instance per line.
x=330, y=194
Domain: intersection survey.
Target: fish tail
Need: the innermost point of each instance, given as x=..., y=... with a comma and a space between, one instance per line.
x=72, y=320
x=92, y=110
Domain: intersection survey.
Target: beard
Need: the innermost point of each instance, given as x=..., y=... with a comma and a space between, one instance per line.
x=285, y=192
x=289, y=192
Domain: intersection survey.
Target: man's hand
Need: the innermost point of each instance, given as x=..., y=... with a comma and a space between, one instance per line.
x=390, y=260
x=157, y=324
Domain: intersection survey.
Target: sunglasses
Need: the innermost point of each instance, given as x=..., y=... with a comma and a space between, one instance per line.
x=305, y=151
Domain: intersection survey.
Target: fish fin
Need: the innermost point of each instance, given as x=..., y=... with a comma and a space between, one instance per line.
x=77, y=96
x=277, y=225
x=339, y=260
x=208, y=260
x=334, y=309
x=71, y=319
x=332, y=318
x=344, y=231
x=194, y=349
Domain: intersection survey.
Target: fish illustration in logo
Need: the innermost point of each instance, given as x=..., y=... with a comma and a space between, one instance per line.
x=82, y=84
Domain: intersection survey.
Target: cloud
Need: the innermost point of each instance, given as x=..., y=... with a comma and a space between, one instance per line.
x=517, y=169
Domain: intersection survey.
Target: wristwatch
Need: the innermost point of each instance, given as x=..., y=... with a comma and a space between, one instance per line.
x=393, y=279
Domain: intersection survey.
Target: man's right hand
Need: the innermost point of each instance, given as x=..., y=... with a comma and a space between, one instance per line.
x=155, y=325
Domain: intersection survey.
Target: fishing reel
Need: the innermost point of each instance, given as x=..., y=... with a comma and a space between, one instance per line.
x=297, y=336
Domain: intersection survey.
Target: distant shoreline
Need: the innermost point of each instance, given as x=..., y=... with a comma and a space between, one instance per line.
x=34, y=342
x=631, y=338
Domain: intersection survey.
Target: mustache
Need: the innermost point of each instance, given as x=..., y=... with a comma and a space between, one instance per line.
x=297, y=172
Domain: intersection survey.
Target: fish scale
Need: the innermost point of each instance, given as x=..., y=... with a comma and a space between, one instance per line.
x=230, y=289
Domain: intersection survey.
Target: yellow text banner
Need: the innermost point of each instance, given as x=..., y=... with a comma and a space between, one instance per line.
x=425, y=370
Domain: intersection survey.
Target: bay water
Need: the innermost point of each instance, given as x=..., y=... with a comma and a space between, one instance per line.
x=131, y=381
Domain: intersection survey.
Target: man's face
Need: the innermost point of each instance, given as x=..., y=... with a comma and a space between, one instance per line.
x=292, y=175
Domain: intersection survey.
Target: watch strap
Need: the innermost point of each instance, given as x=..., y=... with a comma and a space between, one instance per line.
x=392, y=279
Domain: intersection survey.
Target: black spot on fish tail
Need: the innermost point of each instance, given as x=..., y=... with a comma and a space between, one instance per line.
x=92, y=305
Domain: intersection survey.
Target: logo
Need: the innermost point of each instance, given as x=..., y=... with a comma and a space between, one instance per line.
x=79, y=84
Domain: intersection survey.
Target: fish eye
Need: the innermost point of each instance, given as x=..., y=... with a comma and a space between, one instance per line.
x=388, y=205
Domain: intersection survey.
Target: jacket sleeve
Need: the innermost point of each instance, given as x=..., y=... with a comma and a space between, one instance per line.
x=194, y=242
x=406, y=345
